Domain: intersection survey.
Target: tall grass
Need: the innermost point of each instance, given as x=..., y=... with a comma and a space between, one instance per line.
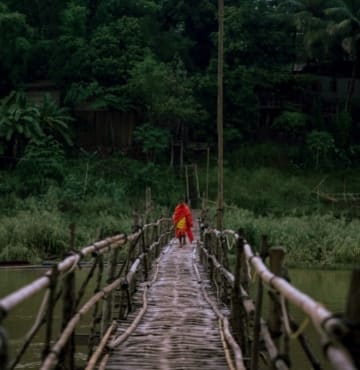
x=322, y=240
x=97, y=195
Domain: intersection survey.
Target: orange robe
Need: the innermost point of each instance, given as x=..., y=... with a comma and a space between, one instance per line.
x=182, y=219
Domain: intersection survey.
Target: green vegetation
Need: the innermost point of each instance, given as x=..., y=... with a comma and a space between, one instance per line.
x=46, y=193
x=157, y=61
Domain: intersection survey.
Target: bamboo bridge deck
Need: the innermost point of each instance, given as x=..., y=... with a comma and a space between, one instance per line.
x=179, y=329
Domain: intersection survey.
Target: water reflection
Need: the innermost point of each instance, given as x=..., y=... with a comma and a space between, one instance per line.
x=327, y=287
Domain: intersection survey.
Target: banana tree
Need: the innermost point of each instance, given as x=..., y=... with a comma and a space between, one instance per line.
x=55, y=120
x=19, y=122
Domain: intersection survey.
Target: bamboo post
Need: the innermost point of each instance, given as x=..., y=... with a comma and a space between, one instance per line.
x=91, y=341
x=352, y=316
x=3, y=349
x=220, y=129
x=207, y=176
x=50, y=311
x=144, y=246
x=276, y=255
x=107, y=305
x=156, y=238
x=147, y=204
x=237, y=308
x=211, y=251
x=187, y=185
x=258, y=310
x=225, y=263
x=66, y=356
x=197, y=183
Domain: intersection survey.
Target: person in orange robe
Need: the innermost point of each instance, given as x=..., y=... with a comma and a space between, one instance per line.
x=182, y=219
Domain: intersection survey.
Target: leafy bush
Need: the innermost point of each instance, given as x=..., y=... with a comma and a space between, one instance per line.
x=42, y=162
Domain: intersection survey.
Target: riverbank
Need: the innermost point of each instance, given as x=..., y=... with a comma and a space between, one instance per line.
x=98, y=198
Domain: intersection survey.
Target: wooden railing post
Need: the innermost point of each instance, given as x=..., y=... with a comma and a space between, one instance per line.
x=144, y=245
x=3, y=348
x=95, y=319
x=352, y=316
x=108, y=302
x=156, y=239
x=238, y=314
x=50, y=311
x=276, y=255
x=67, y=355
x=226, y=294
x=258, y=310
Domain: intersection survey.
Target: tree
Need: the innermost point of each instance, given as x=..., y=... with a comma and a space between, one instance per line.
x=345, y=26
x=15, y=35
x=166, y=94
x=54, y=120
x=320, y=143
x=19, y=122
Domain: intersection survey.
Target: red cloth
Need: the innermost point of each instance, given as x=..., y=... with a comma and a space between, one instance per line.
x=182, y=219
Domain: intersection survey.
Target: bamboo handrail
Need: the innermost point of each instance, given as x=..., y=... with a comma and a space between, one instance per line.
x=13, y=299
x=250, y=309
x=327, y=325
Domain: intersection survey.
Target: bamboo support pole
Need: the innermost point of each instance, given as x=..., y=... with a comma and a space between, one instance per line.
x=108, y=303
x=100, y=264
x=352, y=317
x=256, y=330
x=3, y=349
x=258, y=310
x=50, y=310
x=67, y=354
x=276, y=255
x=144, y=243
x=237, y=308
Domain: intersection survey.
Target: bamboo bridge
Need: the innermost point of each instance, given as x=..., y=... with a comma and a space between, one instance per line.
x=151, y=304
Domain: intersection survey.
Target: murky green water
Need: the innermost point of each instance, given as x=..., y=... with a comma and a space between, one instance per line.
x=328, y=287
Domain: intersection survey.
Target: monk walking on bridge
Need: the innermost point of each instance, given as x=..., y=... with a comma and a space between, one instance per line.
x=182, y=219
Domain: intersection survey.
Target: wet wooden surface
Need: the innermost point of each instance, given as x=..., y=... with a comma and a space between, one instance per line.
x=179, y=329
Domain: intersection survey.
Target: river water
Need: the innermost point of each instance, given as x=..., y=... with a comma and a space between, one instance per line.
x=328, y=287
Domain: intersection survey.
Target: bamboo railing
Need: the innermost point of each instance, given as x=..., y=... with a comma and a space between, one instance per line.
x=275, y=334
x=107, y=302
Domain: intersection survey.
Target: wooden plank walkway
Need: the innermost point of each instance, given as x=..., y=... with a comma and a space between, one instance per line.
x=179, y=329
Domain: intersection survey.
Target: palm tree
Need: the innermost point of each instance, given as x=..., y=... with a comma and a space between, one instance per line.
x=344, y=26
x=308, y=17
x=323, y=24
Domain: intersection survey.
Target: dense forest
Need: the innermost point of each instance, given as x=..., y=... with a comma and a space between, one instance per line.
x=159, y=58
x=291, y=101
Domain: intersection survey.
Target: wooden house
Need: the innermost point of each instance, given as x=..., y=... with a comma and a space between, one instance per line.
x=35, y=91
x=103, y=129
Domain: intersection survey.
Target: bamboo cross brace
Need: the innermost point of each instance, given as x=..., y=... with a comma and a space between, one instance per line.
x=51, y=358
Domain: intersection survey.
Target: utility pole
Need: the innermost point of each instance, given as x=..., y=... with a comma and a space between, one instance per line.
x=220, y=196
